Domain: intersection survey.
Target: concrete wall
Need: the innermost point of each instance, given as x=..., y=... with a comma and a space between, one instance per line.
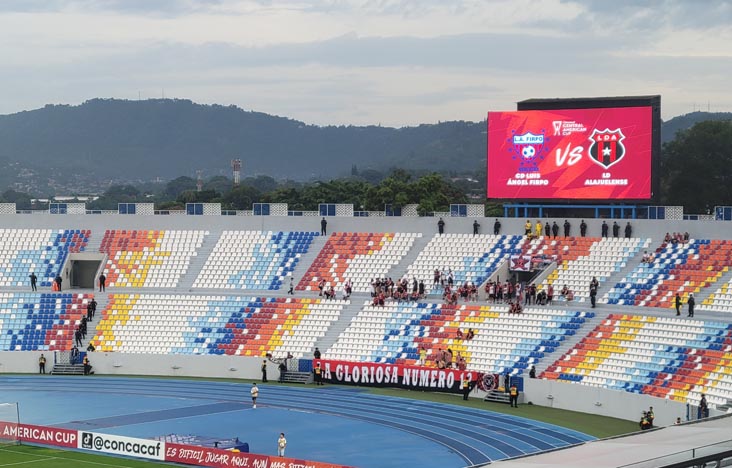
x=98, y=223
x=212, y=366
x=612, y=403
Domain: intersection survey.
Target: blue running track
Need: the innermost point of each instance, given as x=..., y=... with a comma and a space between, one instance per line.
x=333, y=424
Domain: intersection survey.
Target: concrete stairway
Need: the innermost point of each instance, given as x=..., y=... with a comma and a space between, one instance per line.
x=67, y=369
x=306, y=260
x=91, y=327
x=339, y=326
x=616, y=277
x=570, y=341
x=398, y=270
x=704, y=293
x=197, y=261
x=95, y=241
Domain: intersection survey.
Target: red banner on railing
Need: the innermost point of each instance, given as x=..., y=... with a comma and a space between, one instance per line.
x=396, y=375
x=217, y=458
x=38, y=434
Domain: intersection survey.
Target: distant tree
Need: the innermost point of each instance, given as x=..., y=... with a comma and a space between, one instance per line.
x=114, y=195
x=241, y=198
x=697, y=167
x=177, y=186
x=193, y=196
x=22, y=200
x=219, y=184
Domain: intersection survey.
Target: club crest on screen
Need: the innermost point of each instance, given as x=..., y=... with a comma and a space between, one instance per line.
x=606, y=147
x=529, y=148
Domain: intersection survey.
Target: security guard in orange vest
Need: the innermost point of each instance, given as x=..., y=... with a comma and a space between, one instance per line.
x=513, y=395
x=318, y=374
x=466, y=387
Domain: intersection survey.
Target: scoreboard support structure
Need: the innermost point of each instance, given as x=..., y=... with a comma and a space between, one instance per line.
x=532, y=210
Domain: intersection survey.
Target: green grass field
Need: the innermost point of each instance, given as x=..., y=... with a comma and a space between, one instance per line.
x=42, y=457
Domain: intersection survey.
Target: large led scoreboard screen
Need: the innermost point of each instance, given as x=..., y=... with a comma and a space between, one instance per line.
x=580, y=154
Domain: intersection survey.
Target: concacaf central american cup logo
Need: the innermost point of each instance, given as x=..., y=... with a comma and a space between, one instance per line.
x=529, y=148
x=607, y=147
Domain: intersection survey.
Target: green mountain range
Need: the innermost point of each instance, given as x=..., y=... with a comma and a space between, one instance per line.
x=109, y=139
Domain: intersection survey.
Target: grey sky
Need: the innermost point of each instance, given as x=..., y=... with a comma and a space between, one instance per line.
x=394, y=62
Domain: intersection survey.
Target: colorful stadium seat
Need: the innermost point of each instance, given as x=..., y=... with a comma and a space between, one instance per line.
x=580, y=258
x=253, y=259
x=665, y=357
x=676, y=268
x=503, y=342
x=148, y=259
x=358, y=256
x=471, y=258
x=40, y=322
x=196, y=324
x=39, y=251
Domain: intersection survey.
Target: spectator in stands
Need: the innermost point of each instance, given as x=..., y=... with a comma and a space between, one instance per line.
x=555, y=229
x=594, y=284
x=87, y=366
x=422, y=356
x=459, y=334
x=42, y=364
x=58, y=282
x=281, y=445
x=515, y=308
x=616, y=229
x=547, y=230
x=583, y=228
x=102, y=282
x=33, y=281
x=476, y=227
x=527, y=228
x=470, y=334
x=678, y=422
x=532, y=372
x=667, y=238
x=323, y=227
x=628, y=230
x=91, y=348
x=77, y=336
x=691, y=302
x=566, y=228
x=421, y=289
x=316, y=353
x=603, y=229
x=264, y=370
x=541, y=297
x=513, y=394
x=461, y=363
x=550, y=294
x=537, y=228
x=496, y=227
x=441, y=226
x=291, y=289
x=330, y=292
x=677, y=303
x=686, y=236
x=321, y=285
x=254, y=392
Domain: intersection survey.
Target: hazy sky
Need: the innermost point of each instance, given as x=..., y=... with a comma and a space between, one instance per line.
x=394, y=62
